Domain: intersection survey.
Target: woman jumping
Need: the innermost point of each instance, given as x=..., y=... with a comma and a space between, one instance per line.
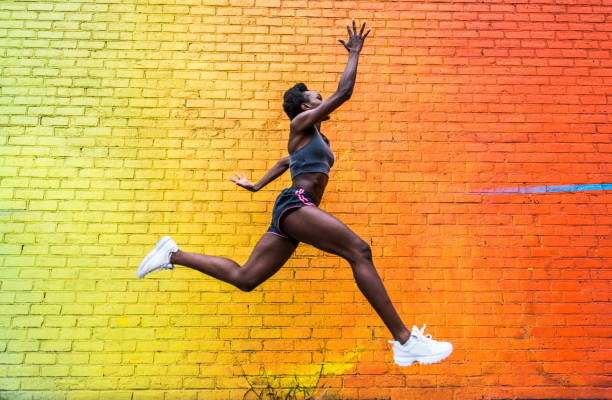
x=296, y=218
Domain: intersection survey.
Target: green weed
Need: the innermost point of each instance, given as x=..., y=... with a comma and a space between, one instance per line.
x=265, y=388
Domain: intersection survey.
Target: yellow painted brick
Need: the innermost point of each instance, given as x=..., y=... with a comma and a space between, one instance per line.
x=169, y=333
x=251, y=320
x=28, y=383
x=72, y=358
x=183, y=369
x=124, y=322
x=138, y=334
x=115, y=395
x=7, y=297
x=9, y=383
x=229, y=382
x=47, y=333
x=106, y=383
x=40, y=358
x=152, y=345
x=12, y=358
x=146, y=297
x=75, y=333
x=16, y=285
x=66, y=250
x=105, y=358
x=27, y=322
x=10, y=249
x=95, y=250
x=246, y=345
x=86, y=370
x=169, y=358
x=119, y=370
x=184, y=345
x=55, y=345
x=77, y=309
x=186, y=321
x=237, y=333
x=134, y=382
x=92, y=321
x=54, y=121
x=82, y=395
x=55, y=370
x=165, y=286
x=130, y=309
x=202, y=333
x=23, y=370
x=82, y=285
x=63, y=321
x=84, y=121
x=198, y=383
x=165, y=382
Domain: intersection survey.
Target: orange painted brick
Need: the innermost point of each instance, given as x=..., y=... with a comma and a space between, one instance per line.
x=450, y=97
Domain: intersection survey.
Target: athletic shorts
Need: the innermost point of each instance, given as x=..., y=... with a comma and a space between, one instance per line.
x=288, y=201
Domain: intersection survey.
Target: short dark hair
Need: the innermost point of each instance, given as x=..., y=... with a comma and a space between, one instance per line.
x=293, y=100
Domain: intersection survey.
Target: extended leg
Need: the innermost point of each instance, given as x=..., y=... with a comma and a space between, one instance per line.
x=268, y=256
x=324, y=231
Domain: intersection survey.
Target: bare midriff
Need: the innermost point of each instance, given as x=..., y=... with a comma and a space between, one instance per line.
x=312, y=182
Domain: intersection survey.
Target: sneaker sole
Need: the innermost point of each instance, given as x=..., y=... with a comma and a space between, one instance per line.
x=406, y=362
x=161, y=243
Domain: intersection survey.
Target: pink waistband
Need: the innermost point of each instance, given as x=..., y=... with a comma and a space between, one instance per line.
x=300, y=195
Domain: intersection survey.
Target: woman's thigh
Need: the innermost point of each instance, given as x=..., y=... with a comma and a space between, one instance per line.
x=322, y=230
x=269, y=254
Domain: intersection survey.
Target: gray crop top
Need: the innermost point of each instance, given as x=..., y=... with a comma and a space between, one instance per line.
x=316, y=156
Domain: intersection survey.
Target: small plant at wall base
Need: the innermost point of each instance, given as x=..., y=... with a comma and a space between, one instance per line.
x=264, y=388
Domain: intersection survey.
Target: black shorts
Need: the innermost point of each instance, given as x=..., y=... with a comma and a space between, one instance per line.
x=288, y=201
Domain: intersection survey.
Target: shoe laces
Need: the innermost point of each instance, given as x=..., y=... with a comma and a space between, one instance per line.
x=420, y=335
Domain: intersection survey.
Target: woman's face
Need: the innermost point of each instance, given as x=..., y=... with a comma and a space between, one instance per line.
x=314, y=98
x=314, y=101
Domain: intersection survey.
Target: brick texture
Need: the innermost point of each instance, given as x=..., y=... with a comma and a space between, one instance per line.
x=121, y=122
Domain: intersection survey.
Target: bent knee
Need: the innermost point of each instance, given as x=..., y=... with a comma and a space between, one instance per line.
x=244, y=282
x=247, y=284
x=360, y=252
x=247, y=287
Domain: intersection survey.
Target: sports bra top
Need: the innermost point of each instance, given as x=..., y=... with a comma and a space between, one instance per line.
x=316, y=156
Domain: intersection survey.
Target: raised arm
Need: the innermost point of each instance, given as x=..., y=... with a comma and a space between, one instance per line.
x=274, y=172
x=345, y=87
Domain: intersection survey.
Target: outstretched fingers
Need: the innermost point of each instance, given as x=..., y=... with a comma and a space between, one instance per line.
x=344, y=44
x=355, y=40
x=354, y=32
x=237, y=178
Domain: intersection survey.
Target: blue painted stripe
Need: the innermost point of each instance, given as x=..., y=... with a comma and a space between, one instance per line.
x=547, y=189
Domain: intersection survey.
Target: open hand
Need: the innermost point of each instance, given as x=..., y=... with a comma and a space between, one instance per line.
x=242, y=181
x=355, y=41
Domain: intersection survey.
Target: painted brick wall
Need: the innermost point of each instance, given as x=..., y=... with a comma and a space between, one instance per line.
x=121, y=122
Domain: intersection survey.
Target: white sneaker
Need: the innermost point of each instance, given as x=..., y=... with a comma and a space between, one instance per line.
x=421, y=348
x=158, y=258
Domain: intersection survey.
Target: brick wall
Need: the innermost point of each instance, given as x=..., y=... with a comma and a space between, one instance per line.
x=121, y=122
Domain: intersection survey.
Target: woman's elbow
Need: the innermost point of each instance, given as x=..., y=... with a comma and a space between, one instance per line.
x=284, y=162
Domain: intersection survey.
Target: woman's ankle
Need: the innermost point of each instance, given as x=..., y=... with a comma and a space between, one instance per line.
x=404, y=337
x=174, y=257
